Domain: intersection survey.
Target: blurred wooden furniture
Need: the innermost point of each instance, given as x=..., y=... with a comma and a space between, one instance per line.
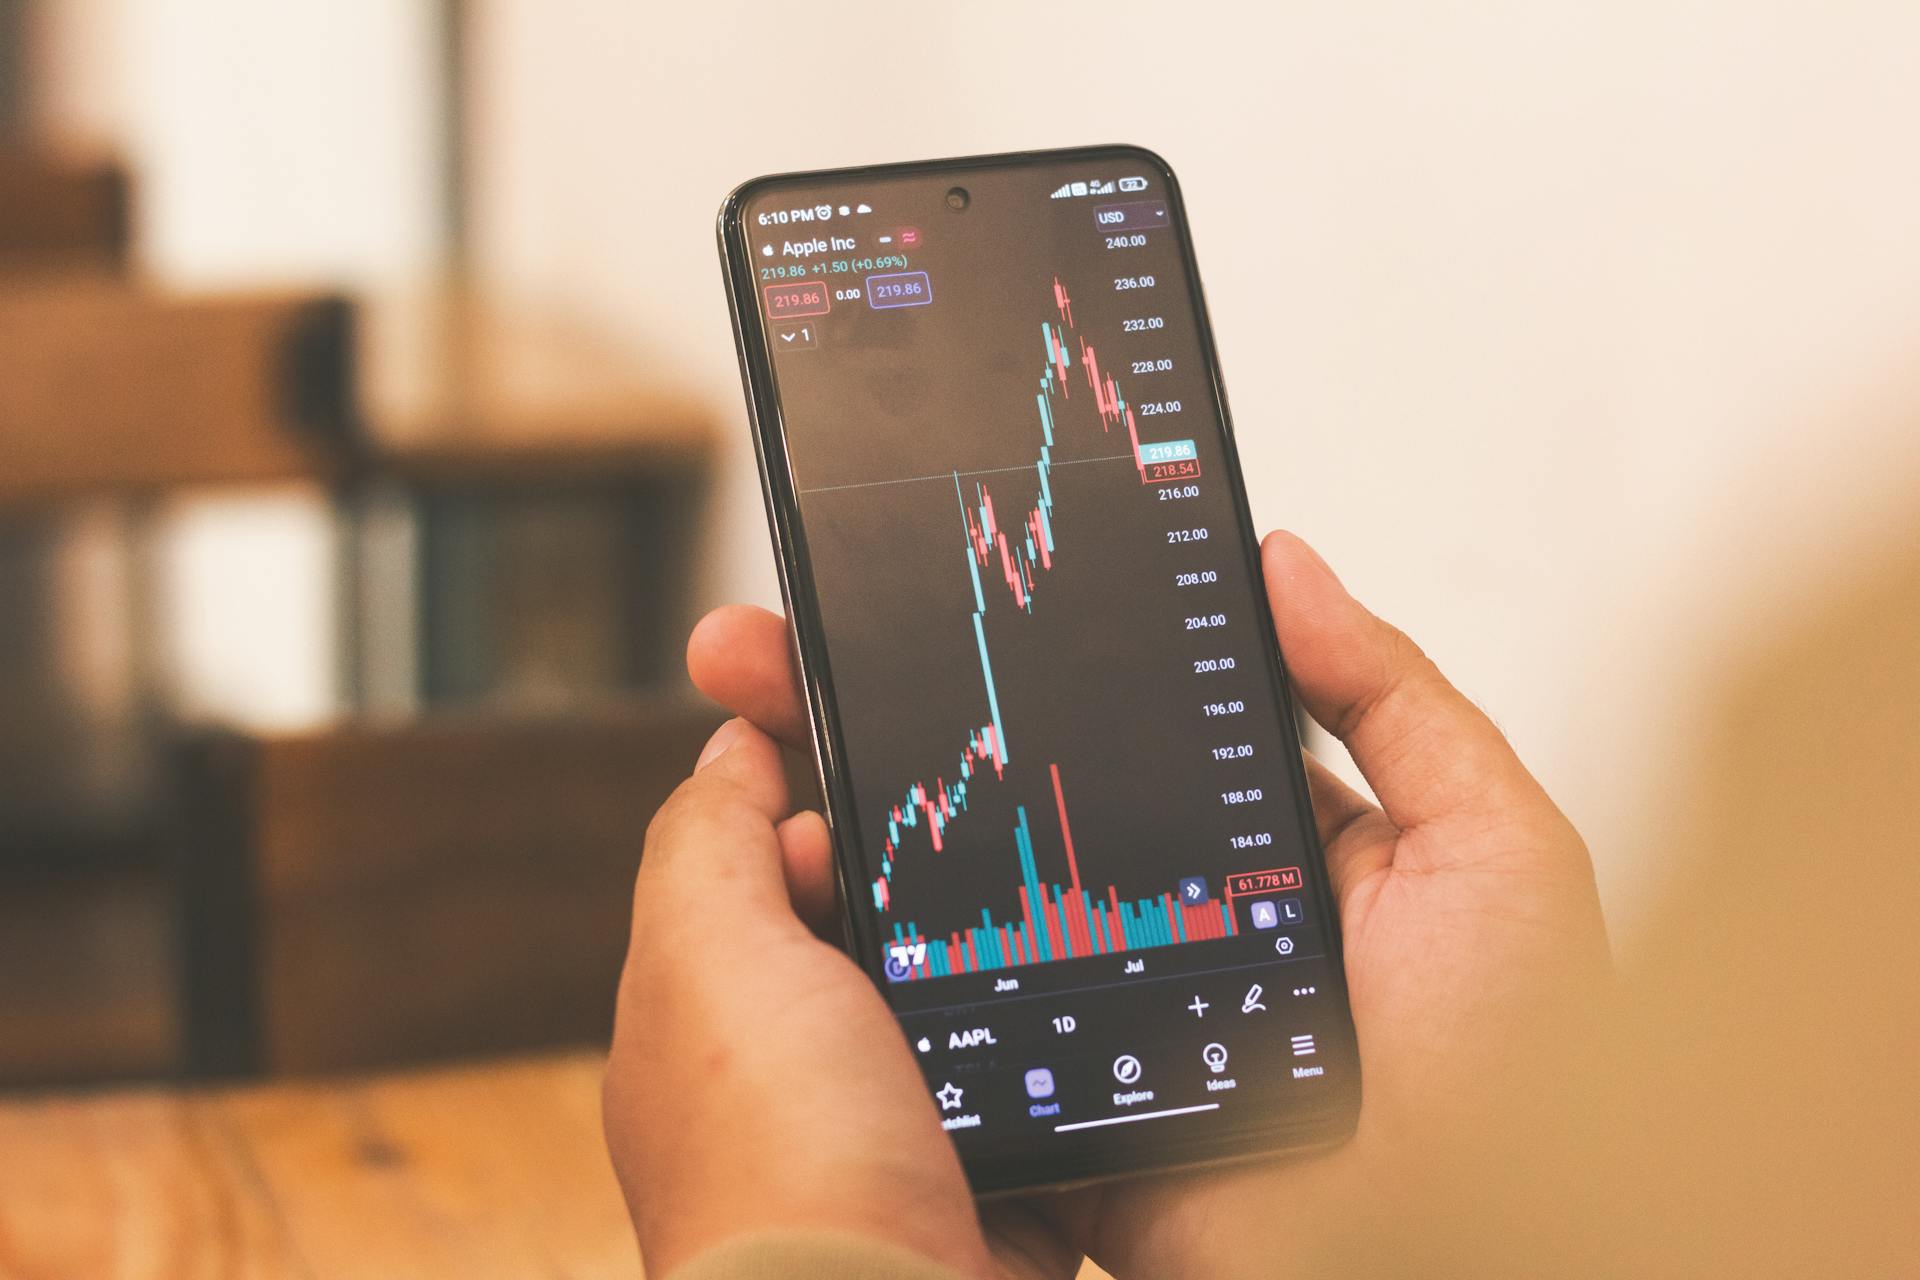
x=520, y=574
x=475, y=1172
x=85, y=990
x=112, y=395
x=458, y=885
x=60, y=213
x=547, y=497
x=515, y=508
x=112, y=390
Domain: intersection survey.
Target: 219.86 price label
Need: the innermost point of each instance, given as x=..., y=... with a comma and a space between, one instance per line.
x=805, y=298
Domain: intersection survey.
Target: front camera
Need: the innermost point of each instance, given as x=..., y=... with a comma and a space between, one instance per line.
x=958, y=199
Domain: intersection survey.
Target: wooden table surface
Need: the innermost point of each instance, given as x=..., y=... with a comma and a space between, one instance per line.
x=491, y=1170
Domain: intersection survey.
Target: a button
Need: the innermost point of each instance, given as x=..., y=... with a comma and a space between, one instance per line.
x=1291, y=912
x=1252, y=1002
x=1283, y=945
x=950, y=1095
x=1215, y=1056
x=1199, y=1007
x=1039, y=1083
x=1126, y=1068
x=1193, y=890
x=1303, y=1047
x=1265, y=914
x=793, y=337
x=904, y=960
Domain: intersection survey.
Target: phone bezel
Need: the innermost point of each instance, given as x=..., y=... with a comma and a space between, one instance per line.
x=1325, y=1124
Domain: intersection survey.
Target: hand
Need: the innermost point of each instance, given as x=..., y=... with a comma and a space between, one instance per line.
x=757, y=1081
x=1473, y=937
x=1467, y=904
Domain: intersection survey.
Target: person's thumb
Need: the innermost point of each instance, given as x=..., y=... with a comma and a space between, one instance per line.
x=1426, y=750
x=713, y=847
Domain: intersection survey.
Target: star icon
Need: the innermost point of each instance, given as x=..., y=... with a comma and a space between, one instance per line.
x=949, y=1096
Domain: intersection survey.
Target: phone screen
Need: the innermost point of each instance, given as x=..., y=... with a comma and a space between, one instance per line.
x=1061, y=769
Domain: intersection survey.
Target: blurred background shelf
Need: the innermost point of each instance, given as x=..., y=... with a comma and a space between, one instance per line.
x=62, y=213
x=87, y=990
x=116, y=391
x=338, y=659
x=523, y=521
x=442, y=888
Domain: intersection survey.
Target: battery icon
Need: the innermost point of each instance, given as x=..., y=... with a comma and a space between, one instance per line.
x=1079, y=188
x=1133, y=184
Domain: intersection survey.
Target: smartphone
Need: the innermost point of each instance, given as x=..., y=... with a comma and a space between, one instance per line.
x=1056, y=745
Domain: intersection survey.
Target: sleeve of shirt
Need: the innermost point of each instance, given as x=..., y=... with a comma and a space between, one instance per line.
x=809, y=1255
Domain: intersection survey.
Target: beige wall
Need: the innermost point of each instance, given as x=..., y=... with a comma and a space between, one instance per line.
x=1568, y=331
x=1565, y=330
x=274, y=144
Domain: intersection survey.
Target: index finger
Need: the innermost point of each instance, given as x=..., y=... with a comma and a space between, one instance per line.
x=742, y=658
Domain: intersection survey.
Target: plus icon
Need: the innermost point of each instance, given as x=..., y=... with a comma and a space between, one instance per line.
x=1199, y=1007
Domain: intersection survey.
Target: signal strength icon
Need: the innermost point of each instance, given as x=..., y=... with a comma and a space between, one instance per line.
x=1066, y=189
x=1099, y=188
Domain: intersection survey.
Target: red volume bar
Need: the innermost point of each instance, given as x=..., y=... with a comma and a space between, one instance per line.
x=1064, y=924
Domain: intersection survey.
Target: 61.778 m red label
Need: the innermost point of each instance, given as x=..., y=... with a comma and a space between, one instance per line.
x=1278, y=880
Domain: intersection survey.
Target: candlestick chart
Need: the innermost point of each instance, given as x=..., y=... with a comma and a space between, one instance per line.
x=933, y=804
x=1009, y=533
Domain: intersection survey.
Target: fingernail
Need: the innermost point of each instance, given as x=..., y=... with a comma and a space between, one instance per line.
x=717, y=746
